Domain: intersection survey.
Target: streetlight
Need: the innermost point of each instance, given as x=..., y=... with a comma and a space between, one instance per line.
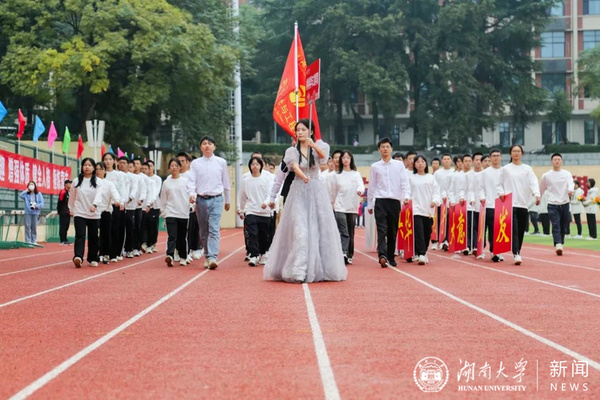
x=156, y=157
x=95, y=134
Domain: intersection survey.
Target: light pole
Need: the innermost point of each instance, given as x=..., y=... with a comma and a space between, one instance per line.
x=156, y=156
x=95, y=132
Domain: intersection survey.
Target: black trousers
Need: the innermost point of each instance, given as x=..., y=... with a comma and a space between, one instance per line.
x=63, y=226
x=133, y=221
x=257, y=232
x=117, y=232
x=489, y=227
x=534, y=219
x=560, y=217
x=472, y=229
x=545, y=220
x=152, y=227
x=177, y=236
x=591, y=221
x=137, y=229
x=272, y=230
x=423, y=226
x=518, y=230
x=144, y=227
x=346, y=223
x=193, y=233
x=387, y=213
x=91, y=226
x=577, y=218
x=104, y=239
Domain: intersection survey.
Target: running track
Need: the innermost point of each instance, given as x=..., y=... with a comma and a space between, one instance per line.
x=138, y=329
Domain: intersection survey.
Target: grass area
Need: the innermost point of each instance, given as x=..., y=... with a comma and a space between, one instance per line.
x=569, y=242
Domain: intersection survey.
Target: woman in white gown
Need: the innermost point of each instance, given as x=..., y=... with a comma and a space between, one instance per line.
x=306, y=246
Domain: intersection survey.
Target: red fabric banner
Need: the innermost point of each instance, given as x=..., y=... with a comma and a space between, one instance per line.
x=434, y=227
x=406, y=236
x=443, y=219
x=460, y=226
x=481, y=230
x=503, y=216
x=452, y=234
x=16, y=171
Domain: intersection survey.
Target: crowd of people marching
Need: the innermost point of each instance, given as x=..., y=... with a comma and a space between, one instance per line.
x=116, y=203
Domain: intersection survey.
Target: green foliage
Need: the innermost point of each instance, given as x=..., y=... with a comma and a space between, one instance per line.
x=589, y=76
x=133, y=63
x=571, y=148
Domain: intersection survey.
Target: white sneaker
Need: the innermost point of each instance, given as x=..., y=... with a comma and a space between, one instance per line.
x=113, y=260
x=481, y=256
x=196, y=254
x=144, y=247
x=517, y=259
x=169, y=261
x=137, y=253
x=212, y=264
x=559, y=249
x=577, y=237
x=435, y=246
x=591, y=238
x=500, y=257
x=247, y=258
x=206, y=263
x=263, y=259
x=421, y=260
x=94, y=263
x=129, y=254
x=184, y=262
x=119, y=258
x=189, y=259
x=77, y=261
x=253, y=261
x=176, y=258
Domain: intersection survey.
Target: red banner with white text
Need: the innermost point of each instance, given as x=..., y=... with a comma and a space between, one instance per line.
x=16, y=171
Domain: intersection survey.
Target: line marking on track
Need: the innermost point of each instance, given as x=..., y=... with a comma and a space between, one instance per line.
x=35, y=255
x=567, y=249
x=563, y=264
x=521, y=276
x=31, y=296
x=327, y=377
x=34, y=268
x=50, y=375
x=518, y=328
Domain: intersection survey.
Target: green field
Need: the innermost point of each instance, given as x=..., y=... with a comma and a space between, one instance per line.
x=572, y=243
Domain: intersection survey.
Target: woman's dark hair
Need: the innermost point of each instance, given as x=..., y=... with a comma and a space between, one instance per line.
x=174, y=160
x=512, y=147
x=259, y=160
x=352, y=164
x=305, y=122
x=80, y=177
x=34, y=187
x=422, y=157
x=592, y=182
x=101, y=165
x=114, y=157
x=576, y=182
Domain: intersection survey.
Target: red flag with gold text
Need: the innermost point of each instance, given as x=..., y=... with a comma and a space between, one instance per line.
x=481, y=230
x=503, y=216
x=406, y=236
x=443, y=221
x=451, y=236
x=460, y=226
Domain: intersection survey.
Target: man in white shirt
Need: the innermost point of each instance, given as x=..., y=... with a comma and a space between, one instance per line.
x=490, y=179
x=558, y=183
x=473, y=180
x=388, y=186
x=209, y=179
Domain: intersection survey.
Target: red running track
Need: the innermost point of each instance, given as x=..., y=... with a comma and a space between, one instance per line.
x=137, y=329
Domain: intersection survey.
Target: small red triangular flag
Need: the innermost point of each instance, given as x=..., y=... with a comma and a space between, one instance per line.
x=79, y=147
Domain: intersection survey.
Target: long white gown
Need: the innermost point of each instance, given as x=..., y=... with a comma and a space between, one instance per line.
x=306, y=246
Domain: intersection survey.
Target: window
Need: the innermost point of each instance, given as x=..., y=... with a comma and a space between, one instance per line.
x=554, y=83
x=591, y=7
x=351, y=134
x=553, y=44
x=557, y=10
x=588, y=132
x=518, y=134
x=561, y=133
x=504, y=129
x=395, y=134
x=546, y=132
x=590, y=39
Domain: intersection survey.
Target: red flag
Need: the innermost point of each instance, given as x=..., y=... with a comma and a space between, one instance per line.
x=406, y=231
x=443, y=218
x=434, y=226
x=452, y=234
x=22, y=123
x=79, y=147
x=503, y=216
x=102, y=151
x=460, y=226
x=284, y=109
x=481, y=230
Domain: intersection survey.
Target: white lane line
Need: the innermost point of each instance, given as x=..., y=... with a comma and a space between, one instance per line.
x=31, y=296
x=563, y=264
x=34, y=268
x=327, y=378
x=518, y=328
x=567, y=251
x=46, y=378
x=521, y=276
x=35, y=255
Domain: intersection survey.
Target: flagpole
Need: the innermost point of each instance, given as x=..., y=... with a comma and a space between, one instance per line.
x=310, y=116
x=296, y=69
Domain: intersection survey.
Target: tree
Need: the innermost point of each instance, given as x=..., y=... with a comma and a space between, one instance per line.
x=559, y=112
x=134, y=64
x=589, y=76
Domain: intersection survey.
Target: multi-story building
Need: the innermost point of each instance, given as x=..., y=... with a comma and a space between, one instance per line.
x=574, y=27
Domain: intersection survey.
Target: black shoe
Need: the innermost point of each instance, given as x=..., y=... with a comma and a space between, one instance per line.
x=383, y=262
x=393, y=263
x=495, y=258
x=346, y=261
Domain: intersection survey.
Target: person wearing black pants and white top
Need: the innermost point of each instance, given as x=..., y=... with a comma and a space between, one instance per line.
x=252, y=202
x=559, y=185
x=106, y=197
x=488, y=192
x=175, y=209
x=345, y=187
x=520, y=180
x=591, y=208
x=426, y=198
x=388, y=186
x=86, y=215
x=62, y=207
x=577, y=208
